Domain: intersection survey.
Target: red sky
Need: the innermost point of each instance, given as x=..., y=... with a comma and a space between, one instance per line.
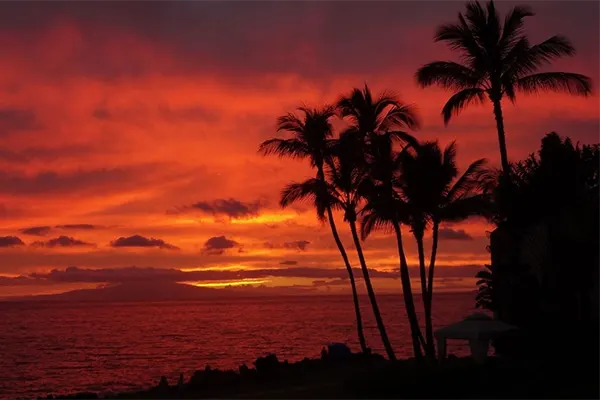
x=115, y=115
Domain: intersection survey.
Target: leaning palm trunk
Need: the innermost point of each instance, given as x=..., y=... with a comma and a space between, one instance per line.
x=371, y=292
x=429, y=304
x=429, y=348
x=409, y=304
x=340, y=245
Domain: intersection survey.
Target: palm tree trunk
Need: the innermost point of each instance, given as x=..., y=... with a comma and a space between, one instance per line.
x=429, y=304
x=409, y=304
x=340, y=245
x=501, y=137
x=371, y=293
x=424, y=293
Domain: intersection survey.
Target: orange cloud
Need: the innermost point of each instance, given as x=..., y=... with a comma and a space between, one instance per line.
x=114, y=119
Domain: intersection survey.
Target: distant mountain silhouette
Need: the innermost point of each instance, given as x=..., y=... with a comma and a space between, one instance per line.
x=152, y=291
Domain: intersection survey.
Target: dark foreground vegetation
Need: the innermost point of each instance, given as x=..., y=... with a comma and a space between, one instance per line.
x=372, y=376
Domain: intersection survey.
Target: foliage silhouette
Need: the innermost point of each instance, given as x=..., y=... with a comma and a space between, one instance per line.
x=312, y=139
x=485, y=289
x=497, y=61
x=550, y=213
x=383, y=210
x=432, y=192
x=376, y=123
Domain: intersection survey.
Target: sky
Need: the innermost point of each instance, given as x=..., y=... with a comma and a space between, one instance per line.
x=129, y=135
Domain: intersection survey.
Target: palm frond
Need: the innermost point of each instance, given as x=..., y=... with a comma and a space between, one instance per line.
x=524, y=59
x=448, y=75
x=314, y=190
x=513, y=25
x=551, y=49
x=567, y=82
x=403, y=137
x=284, y=148
x=290, y=122
x=460, y=100
x=371, y=222
x=398, y=116
x=463, y=208
x=449, y=155
x=470, y=180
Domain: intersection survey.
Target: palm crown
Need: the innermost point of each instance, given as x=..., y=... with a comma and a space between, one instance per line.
x=370, y=115
x=497, y=60
x=311, y=135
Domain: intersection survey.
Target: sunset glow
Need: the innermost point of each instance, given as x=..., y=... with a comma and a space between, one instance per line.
x=134, y=134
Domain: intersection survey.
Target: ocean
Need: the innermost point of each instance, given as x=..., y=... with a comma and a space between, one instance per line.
x=55, y=348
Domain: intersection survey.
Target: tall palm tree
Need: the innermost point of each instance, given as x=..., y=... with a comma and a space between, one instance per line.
x=347, y=178
x=433, y=193
x=497, y=61
x=342, y=191
x=312, y=140
x=371, y=117
x=384, y=209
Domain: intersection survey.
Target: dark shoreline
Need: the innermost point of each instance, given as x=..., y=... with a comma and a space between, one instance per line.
x=372, y=376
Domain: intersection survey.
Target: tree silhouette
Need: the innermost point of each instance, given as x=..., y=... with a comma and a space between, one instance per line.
x=382, y=211
x=370, y=117
x=348, y=178
x=432, y=192
x=312, y=140
x=497, y=61
x=556, y=190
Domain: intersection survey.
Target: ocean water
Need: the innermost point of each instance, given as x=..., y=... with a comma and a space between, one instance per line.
x=56, y=348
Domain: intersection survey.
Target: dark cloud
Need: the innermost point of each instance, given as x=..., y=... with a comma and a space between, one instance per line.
x=45, y=230
x=10, y=241
x=332, y=282
x=42, y=154
x=101, y=113
x=62, y=241
x=170, y=114
x=15, y=120
x=237, y=38
x=137, y=274
x=53, y=182
x=289, y=262
x=36, y=230
x=454, y=234
x=141, y=241
x=213, y=36
x=297, y=244
x=231, y=208
x=85, y=227
x=218, y=244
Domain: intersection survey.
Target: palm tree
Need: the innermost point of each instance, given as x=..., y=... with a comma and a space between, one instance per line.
x=433, y=193
x=497, y=61
x=342, y=190
x=370, y=117
x=312, y=139
x=384, y=210
x=347, y=178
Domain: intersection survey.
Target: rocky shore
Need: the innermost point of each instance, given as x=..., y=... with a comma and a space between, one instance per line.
x=346, y=375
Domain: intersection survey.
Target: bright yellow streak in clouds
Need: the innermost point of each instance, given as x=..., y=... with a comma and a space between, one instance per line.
x=229, y=267
x=228, y=283
x=192, y=221
x=264, y=219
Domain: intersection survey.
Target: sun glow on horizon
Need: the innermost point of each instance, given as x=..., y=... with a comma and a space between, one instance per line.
x=243, y=282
